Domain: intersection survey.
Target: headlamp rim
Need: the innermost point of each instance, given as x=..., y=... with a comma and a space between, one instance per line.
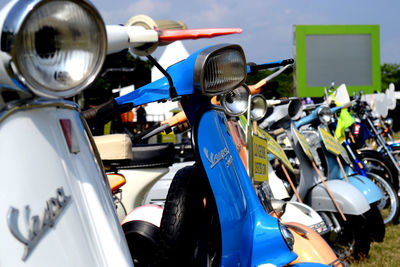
x=202, y=59
x=223, y=101
x=320, y=114
x=265, y=109
x=17, y=17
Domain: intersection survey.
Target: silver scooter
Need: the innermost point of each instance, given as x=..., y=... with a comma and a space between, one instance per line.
x=343, y=206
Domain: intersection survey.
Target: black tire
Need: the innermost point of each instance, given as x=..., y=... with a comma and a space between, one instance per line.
x=379, y=164
x=389, y=205
x=352, y=242
x=190, y=229
x=376, y=226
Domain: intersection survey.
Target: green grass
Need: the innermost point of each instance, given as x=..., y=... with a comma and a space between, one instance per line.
x=386, y=253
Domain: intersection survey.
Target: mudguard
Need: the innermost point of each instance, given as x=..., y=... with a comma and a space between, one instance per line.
x=369, y=189
x=349, y=198
x=301, y=213
x=250, y=237
x=310, y=245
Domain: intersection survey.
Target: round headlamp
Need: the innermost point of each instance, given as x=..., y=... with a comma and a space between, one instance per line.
x=258, y=107
x=219, y=69
x=287, y=235
x=235, y=102
x=325, y=115
x=57, y=47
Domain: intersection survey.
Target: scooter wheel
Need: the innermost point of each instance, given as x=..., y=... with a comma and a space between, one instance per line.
x=190, y=232
x=388, y=206
x=380, y=165
x=353, y=241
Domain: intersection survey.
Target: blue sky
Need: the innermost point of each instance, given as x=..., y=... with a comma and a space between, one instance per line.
x=267, y=25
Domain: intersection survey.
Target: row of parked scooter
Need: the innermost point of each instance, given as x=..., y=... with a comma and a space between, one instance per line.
x=267, y=183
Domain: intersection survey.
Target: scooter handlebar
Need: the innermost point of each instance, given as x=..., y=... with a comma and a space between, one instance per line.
x=106, y=112
x=253, y=68
x=121, y=37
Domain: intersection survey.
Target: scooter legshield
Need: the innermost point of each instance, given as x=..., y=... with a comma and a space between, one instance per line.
x=250, y=237
x=56, y=209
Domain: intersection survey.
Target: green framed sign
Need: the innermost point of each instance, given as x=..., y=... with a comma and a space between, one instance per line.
x=347, y=54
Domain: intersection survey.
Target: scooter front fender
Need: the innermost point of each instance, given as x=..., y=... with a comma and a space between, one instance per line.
x=369, y=189
x=310, y=246
x=349, y=198
x=250, y=237
x=301, y=213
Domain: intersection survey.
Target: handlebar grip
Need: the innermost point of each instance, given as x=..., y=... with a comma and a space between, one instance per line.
x=277, y=131
x=178, y=118
x=257, y=88
x=254, y=68
x=92, y=113
x=105, y=112
x=166, y=24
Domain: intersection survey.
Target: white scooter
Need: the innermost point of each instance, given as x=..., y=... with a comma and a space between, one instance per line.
x=59, y=210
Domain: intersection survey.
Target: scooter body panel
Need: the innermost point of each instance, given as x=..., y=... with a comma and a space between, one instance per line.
x=310, y=245
x=314, y=193
x=349, y=198
x=276, y=184
x=61, y=206
x=138, y=184
x=301, y=213
x=370, y=190
x=244, y=223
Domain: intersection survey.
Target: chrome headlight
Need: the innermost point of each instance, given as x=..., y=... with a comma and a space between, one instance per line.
x=236, y=102
x=56, y=47
x=219, y=69
x=287, y=235
x=258, y=107
x=325, y=115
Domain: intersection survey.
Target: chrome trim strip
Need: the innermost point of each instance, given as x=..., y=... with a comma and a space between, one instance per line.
x=38, y=103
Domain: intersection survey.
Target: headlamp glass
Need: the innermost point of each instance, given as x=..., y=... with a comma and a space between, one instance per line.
x=60, y=48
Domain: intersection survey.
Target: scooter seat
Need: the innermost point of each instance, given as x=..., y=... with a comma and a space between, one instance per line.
x=114, y=147
x=151, y=155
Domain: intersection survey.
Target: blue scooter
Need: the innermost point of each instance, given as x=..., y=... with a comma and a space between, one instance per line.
x=336, y=169
x=212, y=215
x=342, y=205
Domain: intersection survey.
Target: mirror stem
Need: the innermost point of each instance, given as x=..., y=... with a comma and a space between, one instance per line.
x=172, y=91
